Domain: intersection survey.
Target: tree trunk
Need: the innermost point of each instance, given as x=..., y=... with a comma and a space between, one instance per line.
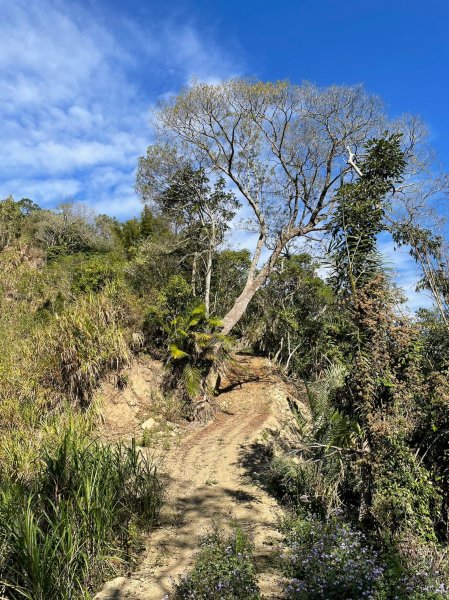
x=194, y=267
x=241, y=304
x=210, y=254
x=251, y=287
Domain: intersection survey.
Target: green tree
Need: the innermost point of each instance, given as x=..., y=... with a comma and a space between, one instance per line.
x=293, y=317
x=201, y=215
x=395, y=490
x=10, y=221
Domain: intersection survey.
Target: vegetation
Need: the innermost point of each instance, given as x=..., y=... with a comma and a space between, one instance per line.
x=83, y=504
x=223, y=570
x=329, y=560
x=366, y=486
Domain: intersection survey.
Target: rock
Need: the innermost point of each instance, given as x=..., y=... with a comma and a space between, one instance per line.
x=110, y=589
x=149, y=424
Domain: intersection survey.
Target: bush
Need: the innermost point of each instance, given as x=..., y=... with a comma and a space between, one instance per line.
x=329, y=560
x=10, y=221
x=414, y=570
x=405, y=497
x=87, y=341
x=306, y=486
x=83, y=505
x=94, y=274
x=223, y=570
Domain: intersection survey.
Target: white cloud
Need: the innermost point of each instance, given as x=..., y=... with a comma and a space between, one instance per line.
x=75, y=93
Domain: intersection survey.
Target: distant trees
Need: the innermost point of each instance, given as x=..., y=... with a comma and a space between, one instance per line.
x=71, y=228
x=284, y=148
x=201, y=216
x=431, y=253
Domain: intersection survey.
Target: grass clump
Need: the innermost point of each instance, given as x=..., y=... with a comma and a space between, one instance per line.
x=223, y=570
x=74, y=521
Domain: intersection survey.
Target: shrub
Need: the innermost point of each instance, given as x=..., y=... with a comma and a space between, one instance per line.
x=182, y=334
x=329, y=560
x=10, y=221
x=223, y=570
x=70, y=229
x=88, y=340
x=414, y=570
x=307, y=486
x=405, y=497
x=81, y=506
x=94, y=274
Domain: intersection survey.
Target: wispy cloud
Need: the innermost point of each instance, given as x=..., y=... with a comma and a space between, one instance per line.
x=75, y=94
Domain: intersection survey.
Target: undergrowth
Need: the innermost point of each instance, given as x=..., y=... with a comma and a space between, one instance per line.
x=75, y=520
x=223, y=570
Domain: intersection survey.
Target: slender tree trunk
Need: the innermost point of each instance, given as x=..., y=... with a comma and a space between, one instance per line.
x=194, y=267
x=210, y=255
x=240, y=305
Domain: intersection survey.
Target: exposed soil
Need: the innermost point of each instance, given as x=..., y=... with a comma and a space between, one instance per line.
x=123, y=410
x=215, y=475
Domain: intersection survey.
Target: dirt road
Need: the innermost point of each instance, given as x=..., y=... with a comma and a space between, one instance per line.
x=212, y=477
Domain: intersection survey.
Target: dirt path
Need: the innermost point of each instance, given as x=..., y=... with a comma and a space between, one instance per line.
x=212, y=478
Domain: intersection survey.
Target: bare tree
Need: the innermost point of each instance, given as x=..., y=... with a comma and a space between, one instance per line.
x=282, y=145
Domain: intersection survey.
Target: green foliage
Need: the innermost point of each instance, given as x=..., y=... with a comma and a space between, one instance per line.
x=183, y=335
x=173, y=300
x=228, y=278
x=10, y=221
x=193, y=341
x=187, y=197
x=223, y=570
x=132, y=233
x=428, y=250
x=405, y=498
x=87, y=340
x=360, y=213
x=313, y=482
x=93, y=274
x=370, y=441
x=294, y=318
x=63, y=530
x=413, y=572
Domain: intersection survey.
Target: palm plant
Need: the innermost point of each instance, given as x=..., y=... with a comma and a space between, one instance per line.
x=193, y=341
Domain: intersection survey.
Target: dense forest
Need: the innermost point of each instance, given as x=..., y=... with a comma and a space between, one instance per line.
x=314, y=177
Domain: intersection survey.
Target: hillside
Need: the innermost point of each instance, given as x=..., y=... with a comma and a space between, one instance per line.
x=184, y=418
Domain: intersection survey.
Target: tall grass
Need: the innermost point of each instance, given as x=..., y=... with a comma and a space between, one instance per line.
x=88, y=341
x=65, y=529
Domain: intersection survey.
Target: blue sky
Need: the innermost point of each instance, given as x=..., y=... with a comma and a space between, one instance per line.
x=78, y=78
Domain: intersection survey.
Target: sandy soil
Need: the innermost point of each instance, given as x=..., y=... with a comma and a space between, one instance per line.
x=213, y=476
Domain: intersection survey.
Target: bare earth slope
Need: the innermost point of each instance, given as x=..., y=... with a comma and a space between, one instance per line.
x=212, y=477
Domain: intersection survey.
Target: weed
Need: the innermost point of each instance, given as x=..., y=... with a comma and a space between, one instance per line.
x=223, y=570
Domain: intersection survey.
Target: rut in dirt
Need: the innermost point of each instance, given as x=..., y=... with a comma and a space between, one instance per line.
x=214, y=477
